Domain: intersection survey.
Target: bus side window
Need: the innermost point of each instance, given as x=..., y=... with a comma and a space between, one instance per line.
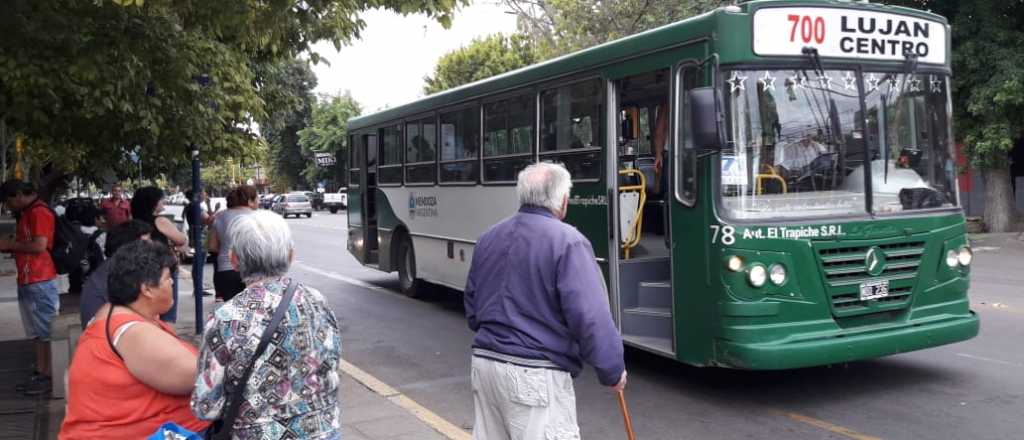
x=571, y=120
x=420, y=153
x=460, y=141
x=355, y=159
x=508, y=137
x=390, y=169
x=686, y=169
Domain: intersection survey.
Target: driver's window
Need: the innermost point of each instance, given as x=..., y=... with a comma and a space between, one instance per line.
x=687, y=78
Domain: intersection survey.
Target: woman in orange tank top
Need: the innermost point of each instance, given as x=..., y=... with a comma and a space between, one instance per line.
x=130, y=373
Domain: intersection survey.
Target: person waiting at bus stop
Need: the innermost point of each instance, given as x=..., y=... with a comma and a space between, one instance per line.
x=537, y=301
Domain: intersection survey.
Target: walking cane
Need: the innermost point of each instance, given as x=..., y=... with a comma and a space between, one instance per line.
x=625, y=416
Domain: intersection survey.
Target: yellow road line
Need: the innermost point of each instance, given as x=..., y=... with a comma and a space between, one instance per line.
x=439, y=424
x=830, y=427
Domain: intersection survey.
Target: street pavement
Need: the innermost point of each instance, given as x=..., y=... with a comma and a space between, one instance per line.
x=970, y=390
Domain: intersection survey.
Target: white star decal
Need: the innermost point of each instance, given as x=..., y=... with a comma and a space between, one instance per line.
x=895, y=84
x=767, y=82
x=796, y=82
x=737, y=82
x=873, y=82
x=826, y=82
x=915, y=84
x=850, y=81
x=936, y=84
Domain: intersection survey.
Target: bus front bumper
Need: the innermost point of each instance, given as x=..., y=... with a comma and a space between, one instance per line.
x=840, y=348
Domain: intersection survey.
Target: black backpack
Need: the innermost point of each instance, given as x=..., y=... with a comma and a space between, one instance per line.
x=69, y=244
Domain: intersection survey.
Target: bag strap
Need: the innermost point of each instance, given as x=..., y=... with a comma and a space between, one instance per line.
x=236, y=399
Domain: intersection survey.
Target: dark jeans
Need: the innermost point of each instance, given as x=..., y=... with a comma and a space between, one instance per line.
x=227, y=284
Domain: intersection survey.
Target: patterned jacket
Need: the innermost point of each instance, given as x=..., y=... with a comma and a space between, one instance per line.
x=293, y=390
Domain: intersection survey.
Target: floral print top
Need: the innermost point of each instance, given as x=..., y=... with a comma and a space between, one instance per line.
x=293, y=390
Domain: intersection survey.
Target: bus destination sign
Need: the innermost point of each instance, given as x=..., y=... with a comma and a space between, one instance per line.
x=847, y=33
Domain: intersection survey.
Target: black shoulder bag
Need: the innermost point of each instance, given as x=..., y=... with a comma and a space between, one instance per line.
x=221, y=429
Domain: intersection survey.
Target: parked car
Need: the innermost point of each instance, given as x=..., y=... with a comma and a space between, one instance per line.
x=267, y=200
x=296, y=204
x=316, y=199
x=335, y=201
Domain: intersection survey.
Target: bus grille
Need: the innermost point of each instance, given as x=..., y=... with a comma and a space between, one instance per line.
x=844, y=269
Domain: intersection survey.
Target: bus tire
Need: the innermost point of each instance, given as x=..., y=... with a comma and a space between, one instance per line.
x=407, y=281
x=333, y=209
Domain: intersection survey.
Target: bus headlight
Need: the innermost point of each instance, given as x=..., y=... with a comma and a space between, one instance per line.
x=777, y=274
x=734, y=263
x=757, y=275
x=965, y=256
x=952, y=258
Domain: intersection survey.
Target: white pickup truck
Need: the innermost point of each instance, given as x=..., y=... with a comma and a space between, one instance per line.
x=335, y=201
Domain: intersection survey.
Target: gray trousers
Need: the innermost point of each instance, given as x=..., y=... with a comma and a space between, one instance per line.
x=522, y=403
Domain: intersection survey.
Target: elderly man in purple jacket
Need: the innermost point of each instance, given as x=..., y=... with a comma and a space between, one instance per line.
x=537, y=302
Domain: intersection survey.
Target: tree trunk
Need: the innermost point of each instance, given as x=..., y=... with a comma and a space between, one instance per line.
x=1000, y=214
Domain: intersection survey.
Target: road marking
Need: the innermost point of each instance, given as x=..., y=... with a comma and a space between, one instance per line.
x=831, y=427
x=438, y=423
x=994, y=361
x=338, y=276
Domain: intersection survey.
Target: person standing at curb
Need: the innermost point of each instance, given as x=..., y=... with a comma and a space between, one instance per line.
x=38, y=295
x=227, y=282
x=147, y=205
x=537, y=301
x=116, y=209
x=291, y=390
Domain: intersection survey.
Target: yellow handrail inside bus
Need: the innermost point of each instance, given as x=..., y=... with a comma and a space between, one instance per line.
x=773, y=175
x=635, y=231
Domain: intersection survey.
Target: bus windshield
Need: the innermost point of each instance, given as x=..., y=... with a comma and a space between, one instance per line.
x=797, y=150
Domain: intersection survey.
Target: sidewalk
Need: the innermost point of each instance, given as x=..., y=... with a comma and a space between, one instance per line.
x=366, y=414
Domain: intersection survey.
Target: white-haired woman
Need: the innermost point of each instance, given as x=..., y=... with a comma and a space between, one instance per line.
x=293, y=387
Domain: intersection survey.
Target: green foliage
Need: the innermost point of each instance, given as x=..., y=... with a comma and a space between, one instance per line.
x=988, y=69
x=87, y=81
x=480, y=59
x=559, y=27
x=328, y=134
x=289, y=86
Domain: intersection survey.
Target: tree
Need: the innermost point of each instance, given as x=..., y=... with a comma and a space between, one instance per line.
x=87, y=81
x=559, y=27
x=289, y=85
x=328, y=133
x=988, y=92
x=482, y=58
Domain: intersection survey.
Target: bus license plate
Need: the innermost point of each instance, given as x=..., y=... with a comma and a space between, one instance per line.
x=874, y=290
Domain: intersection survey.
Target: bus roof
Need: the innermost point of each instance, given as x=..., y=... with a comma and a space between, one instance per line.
x=594, y=57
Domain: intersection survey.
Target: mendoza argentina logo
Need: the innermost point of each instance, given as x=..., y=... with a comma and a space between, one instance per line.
x=422, y=206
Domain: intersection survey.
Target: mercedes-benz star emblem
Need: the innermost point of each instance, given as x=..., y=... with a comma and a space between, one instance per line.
x=874, y=261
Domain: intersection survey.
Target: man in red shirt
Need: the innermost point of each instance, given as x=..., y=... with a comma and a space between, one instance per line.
x=38, y=297
x=116, y=209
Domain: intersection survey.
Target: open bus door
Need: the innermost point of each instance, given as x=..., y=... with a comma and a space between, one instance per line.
x=646, y=297
x=369, y=195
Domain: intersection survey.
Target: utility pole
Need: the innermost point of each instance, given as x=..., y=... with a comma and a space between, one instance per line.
x=199, y=256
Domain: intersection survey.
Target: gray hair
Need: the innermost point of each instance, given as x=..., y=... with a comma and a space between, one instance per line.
x=544, y=184
x=262, y=243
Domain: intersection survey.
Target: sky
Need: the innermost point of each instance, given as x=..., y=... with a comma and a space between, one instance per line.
x=385, y=68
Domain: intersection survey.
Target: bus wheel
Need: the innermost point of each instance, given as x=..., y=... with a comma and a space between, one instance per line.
x=333, y=210
x=411, y=286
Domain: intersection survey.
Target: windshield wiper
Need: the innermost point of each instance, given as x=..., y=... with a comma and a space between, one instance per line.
x=834, y=128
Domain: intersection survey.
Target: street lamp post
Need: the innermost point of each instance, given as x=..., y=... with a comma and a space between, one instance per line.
x=199, y=257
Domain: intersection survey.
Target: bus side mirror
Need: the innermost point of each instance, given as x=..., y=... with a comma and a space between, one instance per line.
x=704, y=118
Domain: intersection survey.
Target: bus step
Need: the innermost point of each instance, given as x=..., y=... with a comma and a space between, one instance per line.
x=647, y=321
x=660, y=312
x=655, y=294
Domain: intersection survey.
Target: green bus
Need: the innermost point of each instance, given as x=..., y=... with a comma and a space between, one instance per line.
x=770, y=185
